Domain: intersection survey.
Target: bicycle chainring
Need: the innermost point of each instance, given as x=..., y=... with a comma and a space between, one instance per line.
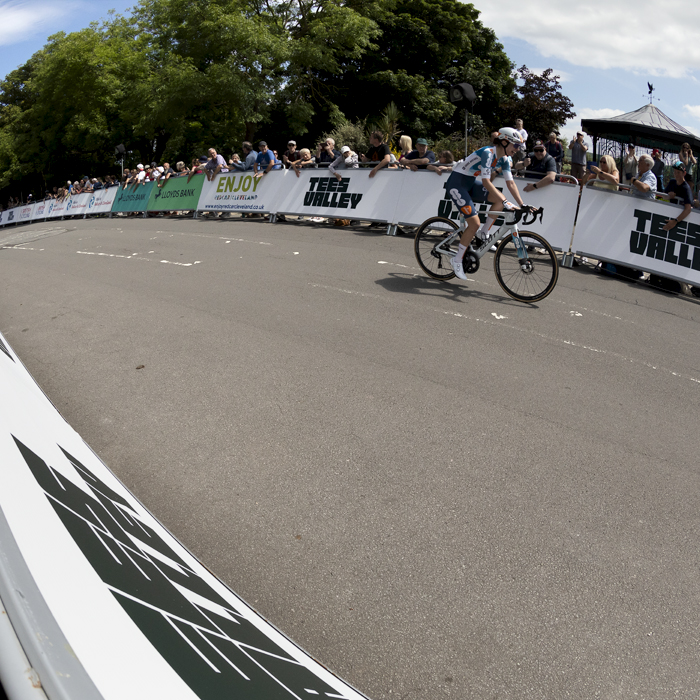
x=470, y=263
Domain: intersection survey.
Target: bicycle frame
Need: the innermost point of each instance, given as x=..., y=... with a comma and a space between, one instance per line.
x=503, y=230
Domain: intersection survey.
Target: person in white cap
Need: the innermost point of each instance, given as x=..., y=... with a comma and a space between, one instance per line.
x=346, y=159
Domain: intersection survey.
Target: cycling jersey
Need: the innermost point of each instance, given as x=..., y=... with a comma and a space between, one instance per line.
x=480, y=164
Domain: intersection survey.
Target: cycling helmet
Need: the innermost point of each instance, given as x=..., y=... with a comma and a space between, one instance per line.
x=510, y=135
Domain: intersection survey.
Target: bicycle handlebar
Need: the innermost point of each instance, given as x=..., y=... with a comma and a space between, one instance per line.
x=529, y=211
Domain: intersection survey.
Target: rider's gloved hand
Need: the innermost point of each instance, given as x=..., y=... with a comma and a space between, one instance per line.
x=509, y=206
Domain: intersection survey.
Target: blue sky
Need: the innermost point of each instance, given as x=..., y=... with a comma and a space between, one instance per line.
x=605, y=52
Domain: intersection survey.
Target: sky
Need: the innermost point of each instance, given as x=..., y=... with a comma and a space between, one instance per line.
x=605, y=51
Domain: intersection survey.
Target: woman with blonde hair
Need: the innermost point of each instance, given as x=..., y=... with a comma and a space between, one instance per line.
x=687, y=157
x=405, y=145
x=606, y=176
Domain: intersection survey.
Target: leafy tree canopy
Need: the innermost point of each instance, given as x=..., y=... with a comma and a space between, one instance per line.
x=177, y=77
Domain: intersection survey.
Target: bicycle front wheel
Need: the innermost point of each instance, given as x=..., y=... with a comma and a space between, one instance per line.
x=527, y=280
x=432, y=262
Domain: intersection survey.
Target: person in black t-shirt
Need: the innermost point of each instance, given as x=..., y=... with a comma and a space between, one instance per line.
x=378, y=152
x=540, y=162
x=679, y=188
x=419, y=159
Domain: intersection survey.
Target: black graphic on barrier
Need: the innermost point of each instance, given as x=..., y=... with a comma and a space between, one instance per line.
x=679, y=246
x=214, y=649
x=4, y=349
x=11, y=215
x=329, y=193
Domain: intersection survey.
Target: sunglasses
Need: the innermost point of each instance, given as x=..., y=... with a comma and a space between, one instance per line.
x=539, y=150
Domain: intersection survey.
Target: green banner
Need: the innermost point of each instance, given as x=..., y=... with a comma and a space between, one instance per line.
x=132, y=199
x=176, y=194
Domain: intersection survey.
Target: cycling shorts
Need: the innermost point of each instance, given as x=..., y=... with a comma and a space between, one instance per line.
x=465, y=191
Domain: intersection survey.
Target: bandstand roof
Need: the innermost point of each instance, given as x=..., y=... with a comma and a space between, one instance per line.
x=647, y=126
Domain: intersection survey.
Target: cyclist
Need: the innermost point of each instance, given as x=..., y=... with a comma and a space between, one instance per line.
x=470, y=182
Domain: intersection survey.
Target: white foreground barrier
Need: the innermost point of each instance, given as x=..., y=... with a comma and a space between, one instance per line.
x=105, y=602
x=620, y=228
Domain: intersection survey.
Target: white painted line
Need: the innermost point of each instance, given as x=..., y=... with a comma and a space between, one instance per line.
x=552, y=339
x=135, y=256
x=496, y=316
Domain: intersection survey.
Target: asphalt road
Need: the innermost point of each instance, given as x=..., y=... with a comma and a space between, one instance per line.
x=435, y=490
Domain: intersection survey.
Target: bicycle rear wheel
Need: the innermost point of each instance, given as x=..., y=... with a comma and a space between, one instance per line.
x=430, y=233
x=526, y=280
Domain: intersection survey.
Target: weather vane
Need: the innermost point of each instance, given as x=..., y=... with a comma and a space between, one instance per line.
x=650, y=94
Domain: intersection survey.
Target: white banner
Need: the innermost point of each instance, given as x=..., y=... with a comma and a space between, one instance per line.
x=40, y=209
x=242, y=192
x=24, y=213
x=620, y=228
x=316, y=192
x=57, y=207
x=10, y=216
x=143, y=617
x=100, y=202
x=77, y=204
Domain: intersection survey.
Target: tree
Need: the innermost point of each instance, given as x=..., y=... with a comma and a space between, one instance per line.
x=541, y=104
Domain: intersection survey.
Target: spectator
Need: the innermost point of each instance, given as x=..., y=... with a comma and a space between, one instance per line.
x=198, y=165
x=181, y=169
x=658, y=168
x=325, y=151
x=687, y=158
x=521, y=154
x=250, y=157
x=97, y=184
x=378, y=152
x=278, y=163
x=405, y=146
x=556, y=150
x=346, y=159
x=265, y=159
x=235, y=158
x=164, y=174
x=645, y=185
x=306, y=160
x=291, y=154
x=444, y=165
x=419, y=159
x=630, y=165
x=679, y=188
x=578, y=156
x=542, y=166
x=606, y=176
x=215, y=165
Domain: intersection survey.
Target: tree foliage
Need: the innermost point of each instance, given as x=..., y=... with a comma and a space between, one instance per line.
x=176, y=77
x=539, y=103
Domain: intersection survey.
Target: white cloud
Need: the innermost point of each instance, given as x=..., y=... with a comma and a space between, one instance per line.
x=22, y=20
x=693, y=110
x=640, y=36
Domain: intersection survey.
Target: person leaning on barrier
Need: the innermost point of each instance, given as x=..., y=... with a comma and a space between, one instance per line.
x=444, y=164
x=291, y=154
x=420, y=158
x=405, y=146
x=378, y=152
x=250, y=157
x=215, y=165
x=645, y=185
x=679, y=189
x=306, y=160
x=346, y=159
x=266, y=159
x=541, y=166
x=326, y=152
x=606, y=176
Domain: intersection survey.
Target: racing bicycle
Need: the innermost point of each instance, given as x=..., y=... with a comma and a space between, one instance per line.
x=525, y=264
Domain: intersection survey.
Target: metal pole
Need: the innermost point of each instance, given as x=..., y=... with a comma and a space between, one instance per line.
x=466, y=133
